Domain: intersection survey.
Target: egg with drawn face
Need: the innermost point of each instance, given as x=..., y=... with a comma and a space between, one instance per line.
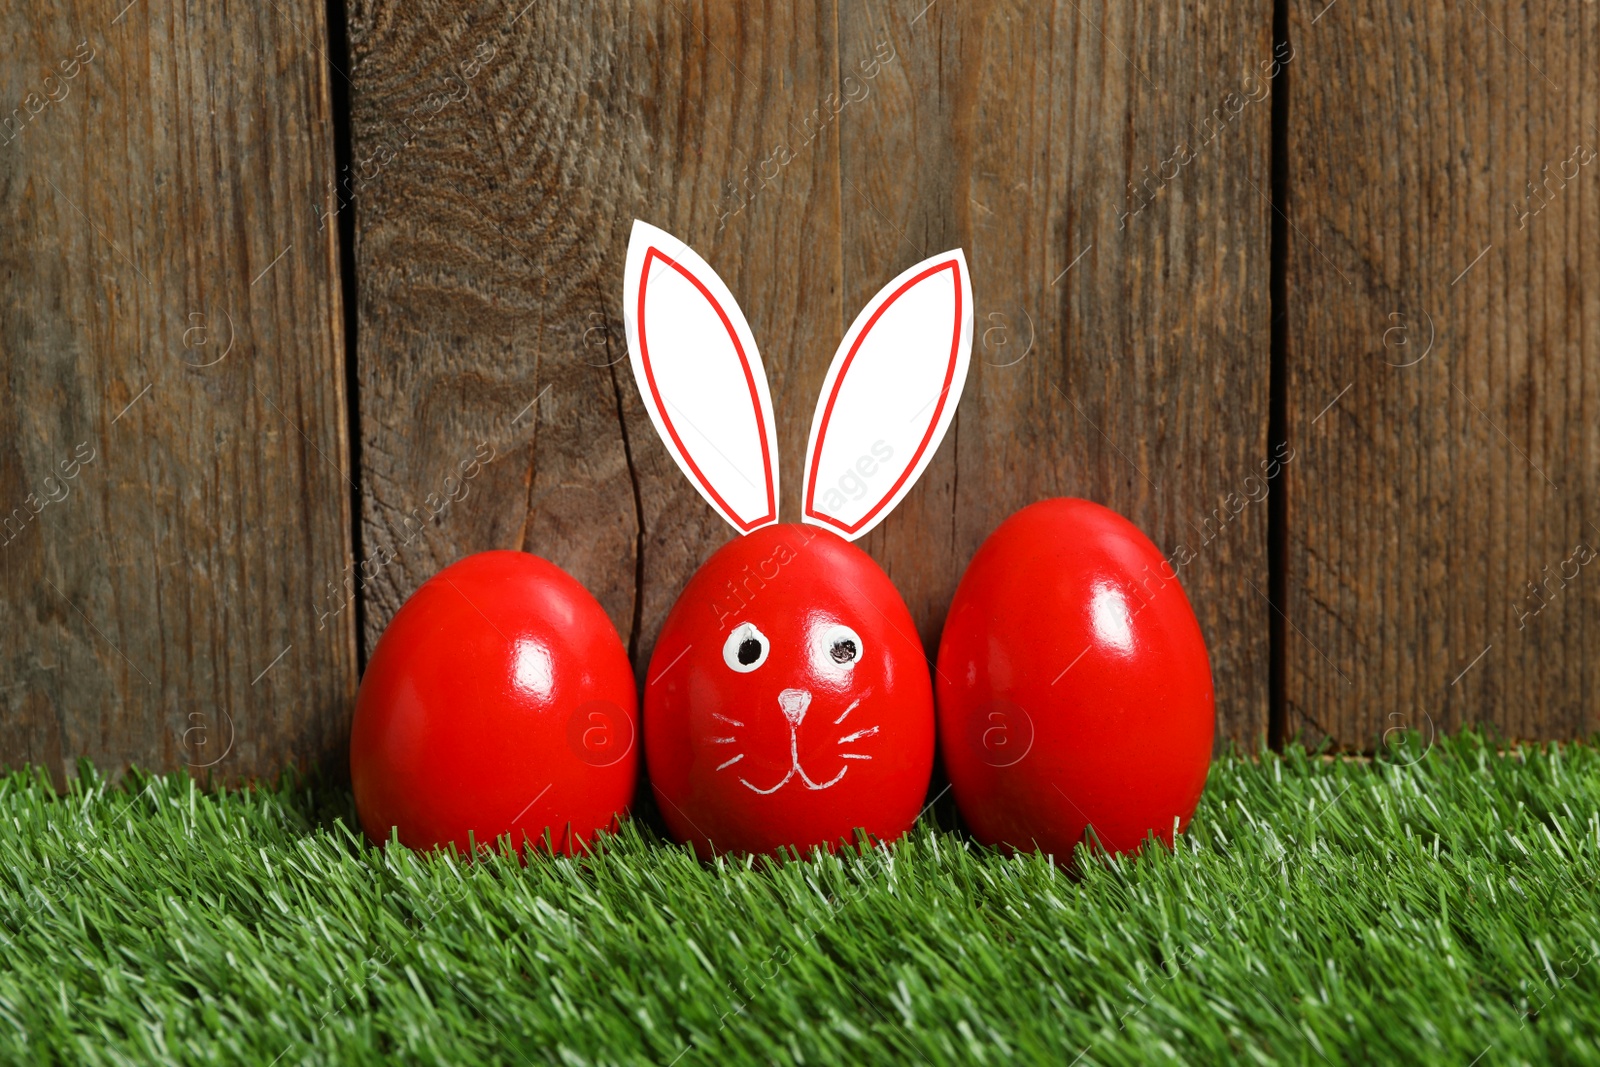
x=788, y=701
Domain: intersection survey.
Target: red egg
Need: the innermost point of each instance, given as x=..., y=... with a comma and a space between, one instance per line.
x=498, y=701
x=1073, y=686
x=788, y=701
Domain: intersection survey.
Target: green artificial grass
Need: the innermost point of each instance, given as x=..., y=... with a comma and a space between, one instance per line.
x=1319, y=911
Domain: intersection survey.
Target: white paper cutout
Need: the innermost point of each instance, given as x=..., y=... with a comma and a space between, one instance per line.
x=701, y=377
x=888, y=399
x=889, y=396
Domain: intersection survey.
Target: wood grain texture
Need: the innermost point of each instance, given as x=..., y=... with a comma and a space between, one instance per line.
x=1100, y=164
x=171, y=332
x=1444, y=369
x=490, y=253
x=810, y=154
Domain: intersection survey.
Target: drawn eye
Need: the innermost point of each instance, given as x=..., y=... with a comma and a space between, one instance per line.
x=837, y=648
x=746, y=648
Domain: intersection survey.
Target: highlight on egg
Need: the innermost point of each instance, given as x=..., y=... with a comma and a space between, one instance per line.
x=1074, y=692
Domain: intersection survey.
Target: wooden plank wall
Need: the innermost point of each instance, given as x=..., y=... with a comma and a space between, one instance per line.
x=1443, y=367
x=810, y=153
x=173, y=459
x=192, y=546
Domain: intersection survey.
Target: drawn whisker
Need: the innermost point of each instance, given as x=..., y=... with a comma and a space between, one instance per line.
x=724, y=718
x=852, y=707
x=868, y=732
x=730, y=763
x=853, y=755
x=723, y=740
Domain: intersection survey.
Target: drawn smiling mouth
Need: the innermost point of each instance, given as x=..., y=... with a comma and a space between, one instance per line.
x=794, y=703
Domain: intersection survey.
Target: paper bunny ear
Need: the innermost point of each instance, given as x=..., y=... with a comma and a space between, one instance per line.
x=889, y=396
x=701, y=377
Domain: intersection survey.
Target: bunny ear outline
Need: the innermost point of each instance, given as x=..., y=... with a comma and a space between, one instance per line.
x=701, y=377
x=889, y=396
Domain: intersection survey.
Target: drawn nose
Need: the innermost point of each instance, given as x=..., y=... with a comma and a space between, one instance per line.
x=794, y=703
